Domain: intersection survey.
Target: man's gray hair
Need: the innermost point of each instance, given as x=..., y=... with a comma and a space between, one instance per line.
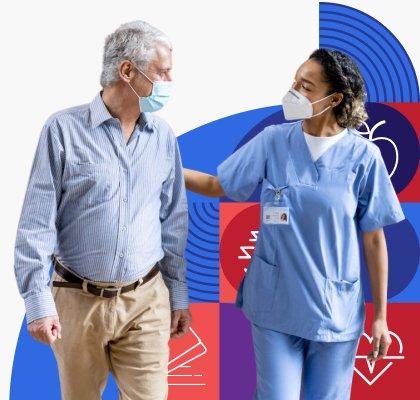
x=135, y=41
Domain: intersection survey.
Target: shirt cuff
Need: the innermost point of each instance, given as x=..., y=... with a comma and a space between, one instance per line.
x=178, y=296
x=224, y=183
x=40, y=305
x=392, y=218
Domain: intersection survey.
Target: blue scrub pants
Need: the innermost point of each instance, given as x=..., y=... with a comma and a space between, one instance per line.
x=292, y=368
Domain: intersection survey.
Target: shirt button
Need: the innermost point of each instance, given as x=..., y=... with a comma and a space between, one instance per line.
x=124, y=228
x=121, y=255
x=125, y=199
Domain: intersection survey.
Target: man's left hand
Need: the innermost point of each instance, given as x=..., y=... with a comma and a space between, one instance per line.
x=180, y=322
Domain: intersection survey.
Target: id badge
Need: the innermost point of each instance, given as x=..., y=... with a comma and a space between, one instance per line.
x=274, y=214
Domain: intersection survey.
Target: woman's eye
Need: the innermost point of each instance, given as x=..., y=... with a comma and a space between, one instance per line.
x=305, y=88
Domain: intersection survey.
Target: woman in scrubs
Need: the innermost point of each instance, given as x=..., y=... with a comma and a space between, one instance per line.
x=322, y=182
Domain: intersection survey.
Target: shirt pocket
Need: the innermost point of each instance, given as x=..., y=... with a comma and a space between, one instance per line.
x=343, y=175
x=260, y=285
x=341, y=302
x=92, y=183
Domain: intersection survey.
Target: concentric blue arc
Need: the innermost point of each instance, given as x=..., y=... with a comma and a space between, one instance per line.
x=385, y=65
x=202, y=252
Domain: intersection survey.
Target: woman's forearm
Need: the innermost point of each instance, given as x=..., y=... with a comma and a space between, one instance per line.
x=376, y=256
x=202, y=183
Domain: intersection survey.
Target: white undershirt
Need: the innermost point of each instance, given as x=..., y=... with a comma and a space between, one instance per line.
x=318, y=145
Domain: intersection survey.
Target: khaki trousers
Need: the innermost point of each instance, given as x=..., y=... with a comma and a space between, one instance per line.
x=126, y=335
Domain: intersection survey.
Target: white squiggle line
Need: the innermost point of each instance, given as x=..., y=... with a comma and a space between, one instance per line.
x=372, y=139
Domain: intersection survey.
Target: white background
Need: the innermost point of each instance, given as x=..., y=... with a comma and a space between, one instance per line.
x=229, y=57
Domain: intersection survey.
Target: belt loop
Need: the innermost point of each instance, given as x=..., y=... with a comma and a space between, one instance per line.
x=84, y=285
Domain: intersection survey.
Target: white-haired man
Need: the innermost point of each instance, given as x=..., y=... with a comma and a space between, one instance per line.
x=106, y=207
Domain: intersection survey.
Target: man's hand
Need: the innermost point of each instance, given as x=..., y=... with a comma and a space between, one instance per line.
x=180, y=322
x=46, y=330
x=381, y=340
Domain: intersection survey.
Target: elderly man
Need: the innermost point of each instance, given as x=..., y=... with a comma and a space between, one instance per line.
x=106, y=207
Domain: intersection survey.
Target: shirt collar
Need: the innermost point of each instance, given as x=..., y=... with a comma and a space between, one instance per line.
x=99, y=114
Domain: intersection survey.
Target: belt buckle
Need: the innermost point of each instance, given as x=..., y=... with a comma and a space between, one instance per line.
x=118, y=290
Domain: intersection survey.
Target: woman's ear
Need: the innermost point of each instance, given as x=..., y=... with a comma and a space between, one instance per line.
x=336, y=99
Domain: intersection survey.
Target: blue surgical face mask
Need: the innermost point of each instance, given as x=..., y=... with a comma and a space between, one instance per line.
x=161, y=93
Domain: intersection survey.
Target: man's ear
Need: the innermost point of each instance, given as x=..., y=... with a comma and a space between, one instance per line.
x=126, y=70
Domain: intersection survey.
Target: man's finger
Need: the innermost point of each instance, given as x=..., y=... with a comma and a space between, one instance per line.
x=46, y=334
x=57, y=328
x=174, y=322
x=49, y=337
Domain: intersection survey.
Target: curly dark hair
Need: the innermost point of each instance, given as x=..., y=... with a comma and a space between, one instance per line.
x=343, y=76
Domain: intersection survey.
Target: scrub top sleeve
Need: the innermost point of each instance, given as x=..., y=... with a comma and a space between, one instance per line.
x=240, y=173
x=378, y=204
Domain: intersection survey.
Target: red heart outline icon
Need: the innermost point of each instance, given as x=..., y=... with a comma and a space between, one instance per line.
x=371, y=364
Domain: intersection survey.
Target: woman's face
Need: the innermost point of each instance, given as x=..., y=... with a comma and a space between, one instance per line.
x=309, y=81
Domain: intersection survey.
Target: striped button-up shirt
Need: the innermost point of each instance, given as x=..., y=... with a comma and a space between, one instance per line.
x=108, y=209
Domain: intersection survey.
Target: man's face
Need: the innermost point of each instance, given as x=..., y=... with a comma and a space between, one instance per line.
x=159, y=69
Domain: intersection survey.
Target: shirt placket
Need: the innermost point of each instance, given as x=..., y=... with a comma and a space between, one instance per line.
x=120, y=257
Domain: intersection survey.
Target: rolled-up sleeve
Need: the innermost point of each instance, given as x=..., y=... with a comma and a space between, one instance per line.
x=241, y=172
x=36, y=233
x=378, y=204
x=174, y=223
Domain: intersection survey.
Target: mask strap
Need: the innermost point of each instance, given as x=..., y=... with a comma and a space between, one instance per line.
x=133, y=90
x=143, y=74
x=316, y=101
x=325, y=109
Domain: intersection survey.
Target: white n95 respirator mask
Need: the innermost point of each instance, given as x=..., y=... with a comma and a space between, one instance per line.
x=297, y=106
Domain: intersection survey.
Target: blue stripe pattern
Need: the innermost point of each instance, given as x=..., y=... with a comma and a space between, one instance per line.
x=385, y=65
x=108, y=209
x=202, y=252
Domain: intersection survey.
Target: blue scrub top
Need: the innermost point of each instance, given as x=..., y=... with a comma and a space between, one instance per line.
x=304, y=277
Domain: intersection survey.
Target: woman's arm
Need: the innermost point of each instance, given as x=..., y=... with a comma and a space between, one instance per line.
x=202, y=183
x=376, y=256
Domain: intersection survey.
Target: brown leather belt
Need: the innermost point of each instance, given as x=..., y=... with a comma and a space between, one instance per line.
x=74, y=281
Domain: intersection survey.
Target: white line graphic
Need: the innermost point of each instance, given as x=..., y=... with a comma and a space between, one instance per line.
x=186, y=363
x=372, y=139
x=371, y=364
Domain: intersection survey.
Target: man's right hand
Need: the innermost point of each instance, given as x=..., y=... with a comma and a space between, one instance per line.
x=46, y=330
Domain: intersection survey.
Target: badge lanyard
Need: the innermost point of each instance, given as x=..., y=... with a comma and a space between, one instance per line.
x=274, y=212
